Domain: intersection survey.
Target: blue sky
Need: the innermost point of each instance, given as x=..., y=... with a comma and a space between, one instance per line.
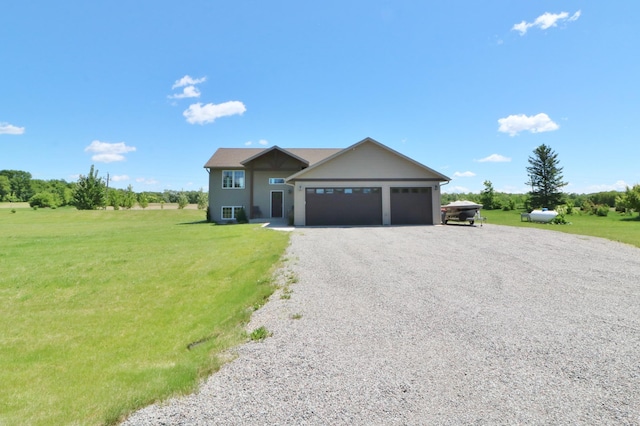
x=148, y=90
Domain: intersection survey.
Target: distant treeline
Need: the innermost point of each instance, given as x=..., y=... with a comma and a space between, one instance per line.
x=505, y=201
x=19, y=186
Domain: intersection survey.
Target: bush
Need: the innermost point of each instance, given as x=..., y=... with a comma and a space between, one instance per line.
x=602, y=210
x=182, y=200
x=45, y=199
x=241, y=216
x=560, y=220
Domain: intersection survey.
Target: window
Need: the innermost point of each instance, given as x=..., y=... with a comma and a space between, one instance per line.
x=230, y=212
x=233, y=179
x=276, y=181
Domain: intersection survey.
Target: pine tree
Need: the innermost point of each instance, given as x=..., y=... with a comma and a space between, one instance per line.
x=545, y=178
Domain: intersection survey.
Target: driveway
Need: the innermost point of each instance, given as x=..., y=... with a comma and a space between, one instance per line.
x=436, y=325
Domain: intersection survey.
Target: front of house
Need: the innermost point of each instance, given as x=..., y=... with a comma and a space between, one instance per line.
x=367, y=183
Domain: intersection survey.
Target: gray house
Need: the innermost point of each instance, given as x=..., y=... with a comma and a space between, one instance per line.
x=367, y=183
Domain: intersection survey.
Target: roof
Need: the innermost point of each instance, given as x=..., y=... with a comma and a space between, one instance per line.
x=365, y=140
x=236, y=157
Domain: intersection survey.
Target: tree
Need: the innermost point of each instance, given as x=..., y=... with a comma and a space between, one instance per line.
x=129, y=199
x=143, y=200
x=5, y=188
x=630, y=199
x=182, y=200
x=20, y=184
x=202, y=200
x=545, y=178
x=90, y=192
x=114, y=198
x=488, y=196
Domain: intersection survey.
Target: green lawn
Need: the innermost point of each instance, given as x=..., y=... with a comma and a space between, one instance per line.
x=615, y=226
x=101, y=310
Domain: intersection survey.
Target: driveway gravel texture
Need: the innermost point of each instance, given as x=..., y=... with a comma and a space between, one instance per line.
x=436, y=325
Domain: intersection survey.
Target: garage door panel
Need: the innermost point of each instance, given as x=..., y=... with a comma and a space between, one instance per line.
x=411, y=206
x=343, y=206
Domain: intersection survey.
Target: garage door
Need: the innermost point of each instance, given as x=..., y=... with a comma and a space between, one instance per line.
x=343, y=206
x=411, y=206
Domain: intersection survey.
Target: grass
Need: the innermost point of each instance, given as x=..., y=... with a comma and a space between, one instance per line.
x=104, y=312
x=615, y=226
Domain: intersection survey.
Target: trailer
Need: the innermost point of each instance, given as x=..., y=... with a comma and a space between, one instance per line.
x=460, y=211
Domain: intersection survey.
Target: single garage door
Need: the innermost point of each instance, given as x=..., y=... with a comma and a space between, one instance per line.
x=343, y=206
x=411, y=206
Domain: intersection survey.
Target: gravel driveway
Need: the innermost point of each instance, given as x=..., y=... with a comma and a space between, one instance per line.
x=437, y=325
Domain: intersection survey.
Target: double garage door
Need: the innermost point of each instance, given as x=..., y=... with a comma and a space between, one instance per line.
x=363, y=206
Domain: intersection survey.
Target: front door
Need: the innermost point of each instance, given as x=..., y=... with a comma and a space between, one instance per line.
x=277, y=203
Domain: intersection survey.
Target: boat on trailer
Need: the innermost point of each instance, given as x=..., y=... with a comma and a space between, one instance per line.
x=460, y=211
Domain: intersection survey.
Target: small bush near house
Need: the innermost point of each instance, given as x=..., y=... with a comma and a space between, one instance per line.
x=241, y=216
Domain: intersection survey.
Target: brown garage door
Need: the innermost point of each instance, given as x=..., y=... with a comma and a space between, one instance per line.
x=411, y=206
x=343, y=206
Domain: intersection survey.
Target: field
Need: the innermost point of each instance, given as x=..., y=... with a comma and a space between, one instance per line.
x=615, y=226
x=107, y=311
x=104, y=312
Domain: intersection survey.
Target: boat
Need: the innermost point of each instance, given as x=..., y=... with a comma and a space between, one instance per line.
x=460, y=211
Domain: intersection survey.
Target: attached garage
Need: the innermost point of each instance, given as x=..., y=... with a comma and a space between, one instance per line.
x=339, y=206
x=411, y=206
x=366, y=184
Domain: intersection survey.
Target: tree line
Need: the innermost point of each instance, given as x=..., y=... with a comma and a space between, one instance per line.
x=89, y=192
x=546, y=181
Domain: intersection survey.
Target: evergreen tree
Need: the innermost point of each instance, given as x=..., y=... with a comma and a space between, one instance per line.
x=90, y=192
x=545, y=178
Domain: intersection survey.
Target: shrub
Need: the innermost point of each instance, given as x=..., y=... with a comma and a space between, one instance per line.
x=182, y=200
x=570, y=207
x=45, y=199
x=241, y=216
x=560, y=220
x=602, y=210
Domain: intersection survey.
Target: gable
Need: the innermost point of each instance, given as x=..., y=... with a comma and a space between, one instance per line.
x=368, y=159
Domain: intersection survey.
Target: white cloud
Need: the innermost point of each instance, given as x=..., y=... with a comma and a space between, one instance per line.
x=545, y=21
x=619, y=185
x=455, y=189
x=263, y=142
x=188, y=81
x=494, y=158
x=146, y=181
x=248, y=143
x=10, y=129
x=464, y=174
x=187, y=92
x=119, y=178
x=515, y=124
x=105, y=152
x=201, y=114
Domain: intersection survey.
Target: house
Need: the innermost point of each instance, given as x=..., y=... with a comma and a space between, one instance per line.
x=367, y=183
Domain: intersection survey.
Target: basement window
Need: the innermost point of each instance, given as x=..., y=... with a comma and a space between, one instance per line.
x=230, y=212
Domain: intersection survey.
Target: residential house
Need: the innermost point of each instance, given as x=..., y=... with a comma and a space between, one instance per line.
x=367, y=183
